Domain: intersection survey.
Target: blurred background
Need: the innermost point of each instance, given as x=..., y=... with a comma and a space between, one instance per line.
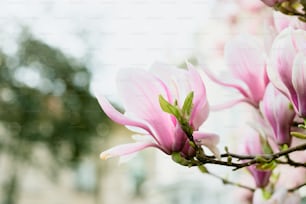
x=55, y=53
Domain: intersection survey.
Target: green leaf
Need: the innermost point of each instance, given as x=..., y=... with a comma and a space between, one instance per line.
x=298, y=135
x=290, y=106
x=266, y=148
x=177, y=157
x=274, y=177
x=266, y=194
x=267, y=166
x=284, y=147
x=169, y=108
x=302, y=125
x=260, y=158
x=203, y=169
x=188, y=104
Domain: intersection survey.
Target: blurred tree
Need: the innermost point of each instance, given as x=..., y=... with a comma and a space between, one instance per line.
x=45, y=102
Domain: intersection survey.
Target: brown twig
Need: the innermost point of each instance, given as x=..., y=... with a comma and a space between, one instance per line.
x=296, y=187
x=227, y=182
x=252, y=159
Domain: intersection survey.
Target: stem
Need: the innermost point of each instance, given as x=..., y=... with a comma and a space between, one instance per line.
x=253, y=159
x=227, y=182
x=297, y=187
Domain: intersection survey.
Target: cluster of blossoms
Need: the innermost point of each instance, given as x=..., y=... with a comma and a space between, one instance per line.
x=167, y=106
x=273, y=82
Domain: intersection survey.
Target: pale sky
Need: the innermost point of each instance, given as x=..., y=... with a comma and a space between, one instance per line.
x=113, y=34
x=110, y=34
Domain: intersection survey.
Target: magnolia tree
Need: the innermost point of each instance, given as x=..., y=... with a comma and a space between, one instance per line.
x=167, y=105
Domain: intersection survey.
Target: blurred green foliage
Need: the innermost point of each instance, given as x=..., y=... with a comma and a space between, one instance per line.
x=45, y=102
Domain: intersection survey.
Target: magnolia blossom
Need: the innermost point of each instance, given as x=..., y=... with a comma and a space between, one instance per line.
x=139, y=91
x=280, y=196
x=246, y=60
x=276, y=110
x=253, y=146
x=288, y=67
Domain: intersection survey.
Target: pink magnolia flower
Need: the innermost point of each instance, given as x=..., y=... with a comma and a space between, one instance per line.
x=288, y=67
x=140, y=91
x=247, y=62
x=253, y=146
x=280, y=196
x=275, y=109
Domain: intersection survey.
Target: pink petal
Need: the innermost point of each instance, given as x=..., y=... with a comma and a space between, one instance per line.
x=210, y=140
x=118, y=117
x=299, y=83
x=165, y=73
x=230, y=104
x=200, y=110
x=221, y=82
x=139, y=91
x=281, y=21
x=252, y=144
x=275, y=109
x=246, y=60
x=177, y=81
x=180, y=139
x=261, y=177
x=283, y=52
x=126, y=149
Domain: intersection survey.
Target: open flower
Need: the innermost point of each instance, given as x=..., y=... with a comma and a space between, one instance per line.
x=288, y=67
x=276, y=110
x=140, y=90
x=246, y=60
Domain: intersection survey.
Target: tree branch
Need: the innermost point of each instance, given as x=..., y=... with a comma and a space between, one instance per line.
x=227, y=182
x=253, y=159
x=297, y=187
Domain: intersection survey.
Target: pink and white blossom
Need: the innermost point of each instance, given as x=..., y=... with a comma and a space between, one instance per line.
x=288, y=67
x=275, y=109
x=139, y=91
x=246, y=60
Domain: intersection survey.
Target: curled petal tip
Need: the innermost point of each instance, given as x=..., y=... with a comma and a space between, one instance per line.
x=189, y=65
x=216, y=152
x=210, y=140
x=105, y=156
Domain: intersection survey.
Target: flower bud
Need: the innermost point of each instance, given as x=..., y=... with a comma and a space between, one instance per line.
x=253, y=146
